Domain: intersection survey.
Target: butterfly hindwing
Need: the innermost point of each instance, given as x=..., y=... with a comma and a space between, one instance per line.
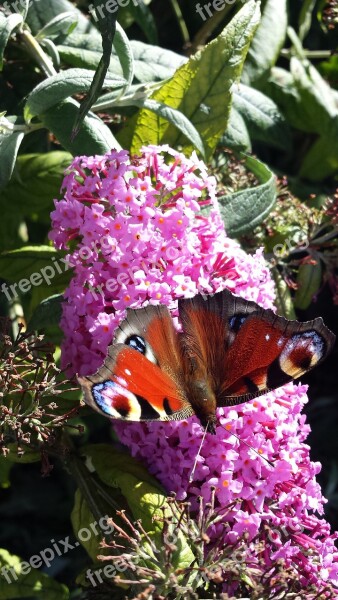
x=138, y=381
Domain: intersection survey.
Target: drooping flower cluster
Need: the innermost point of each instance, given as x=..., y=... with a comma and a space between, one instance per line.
x=332, y=208
x=144, y=231
x=274, y=502
x=30, y=385
x=147, y=229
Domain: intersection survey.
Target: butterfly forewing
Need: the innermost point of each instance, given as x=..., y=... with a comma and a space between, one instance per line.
x=251, y=350
x=141, y=376
x=210, y=326
x=270, y=352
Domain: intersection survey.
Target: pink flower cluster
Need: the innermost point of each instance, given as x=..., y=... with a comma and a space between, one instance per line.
x=141, y=230
x=278, y=504
x=147, y=229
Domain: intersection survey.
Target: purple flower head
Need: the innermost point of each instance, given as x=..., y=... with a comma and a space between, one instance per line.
x=142, y=229
x=147, y=229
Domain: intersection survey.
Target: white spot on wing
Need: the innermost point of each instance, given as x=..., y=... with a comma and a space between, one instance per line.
x=121, y=335
x=150, y=355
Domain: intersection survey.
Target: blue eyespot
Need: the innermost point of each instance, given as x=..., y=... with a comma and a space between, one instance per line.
x=236, y=322
x=137, y=342
x=104, y=394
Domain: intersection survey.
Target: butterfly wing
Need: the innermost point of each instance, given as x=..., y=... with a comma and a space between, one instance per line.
x=247, y=350
x=141, y=378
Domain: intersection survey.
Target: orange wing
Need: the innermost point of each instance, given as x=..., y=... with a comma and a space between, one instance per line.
x=141, y=378
x=245, y=350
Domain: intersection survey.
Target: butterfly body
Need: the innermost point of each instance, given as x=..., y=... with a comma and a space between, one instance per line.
x=229, y=351
x=204, y=401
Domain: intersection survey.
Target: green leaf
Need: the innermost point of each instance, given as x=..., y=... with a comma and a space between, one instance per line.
x=12, y=229
x=143, y=493
x=303, y=97
x=322, y=159
x=9, y=147
x=94, y=136
x=284, y=238
x=86, y=59
x=51, y=50
x=267, y=42
x=53, y=90
x=281, y=88
x=316, y=96
x=7, y=26
x=64, y=22
x=236, y=135
x=308, y=281
x=113, y=100
x=329, y=70
x=242, y=211
x=26, y=457
x=82, y=518
x=262, y=117
x=33, y=266
x=201, y=88
x=107, y=25
x=141, y=14
x=305, y=18
x=283, y=300
x=47, y=313
x=83, y=521
x=309, y=104
x=124, y=52
x=151, y=63
x=182, y=556
x=176, y=118
x=21, y=262
x=23, y=581
x=118, y=469
x=41, y=13
x=110, y=464
x=35, y=183
x=23, y=8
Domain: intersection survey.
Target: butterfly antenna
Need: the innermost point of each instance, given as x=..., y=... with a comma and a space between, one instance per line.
x=251, y=448
x=191, y=478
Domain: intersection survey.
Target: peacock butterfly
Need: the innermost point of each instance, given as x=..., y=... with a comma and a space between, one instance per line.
x=229, y=351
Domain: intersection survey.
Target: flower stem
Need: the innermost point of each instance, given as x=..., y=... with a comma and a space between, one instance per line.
x=36, y=52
